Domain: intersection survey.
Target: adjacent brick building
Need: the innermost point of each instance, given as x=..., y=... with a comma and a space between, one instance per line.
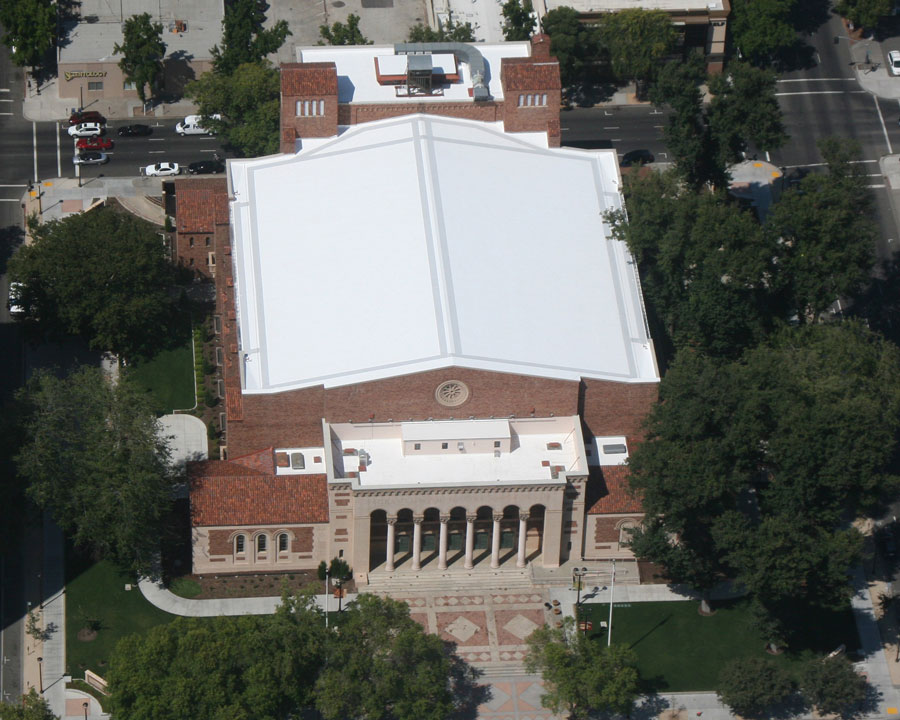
x=434, y=353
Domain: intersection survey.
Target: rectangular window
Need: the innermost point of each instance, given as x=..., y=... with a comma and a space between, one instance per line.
x=95, y=85
x=417, y=446
x=220, y=387
x=544, y=99
x=282, y=542
x=217, y=324
x=321, y=107
x=128, y=85
x=220, y=356
x=521, y=100
x=444, y=446
x=496, y=443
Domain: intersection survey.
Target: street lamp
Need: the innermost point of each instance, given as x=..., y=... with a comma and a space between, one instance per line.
x=41, y=673
x=85, y=705
x=577, y=575
x=612, y=591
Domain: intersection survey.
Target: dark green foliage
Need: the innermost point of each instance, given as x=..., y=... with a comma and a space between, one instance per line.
x=518, y=20
x=751, y=686
x=451, y=31
x=582, y=676
x=32, y=707
x=705, y=140
x=832, y=686
x=30, y=29
x=244, y=40
x=343, y=33
x=103, y=275
x=226, y=667
x=572, y=42
x=249, y=101
x=864, y=13
x=762, y=28
x=383, y=666
x=826, y=233
x=92, y=457
x=755, y=464
x=636, y=40
x=143, y=51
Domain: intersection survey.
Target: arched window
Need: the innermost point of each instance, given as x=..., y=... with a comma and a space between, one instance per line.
x=283, y=542
x=261, y=543
x=624, y=527
x=239, y=545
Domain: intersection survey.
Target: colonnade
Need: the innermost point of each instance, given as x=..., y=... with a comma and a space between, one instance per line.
x=469, y=561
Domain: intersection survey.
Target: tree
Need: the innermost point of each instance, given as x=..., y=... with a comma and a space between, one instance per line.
x=244, y=40
x=94, y=459
x=518, y=20
x=750, y=686
x=343, y=33
x=102, y=274
x=30, y=27
x=382, y=665
x=762, y=28
x=864, y=13
x=705, y=264
x=744, y=109
x=32, y=707
x=451, y=31
x=831, y=685
x=750, y=467
x=572, y=43
x=826, y=232
x=582, y=676
x=248, y=101
x=338, y=572
x=636, y=40
x=143, y=51
x=225, y=667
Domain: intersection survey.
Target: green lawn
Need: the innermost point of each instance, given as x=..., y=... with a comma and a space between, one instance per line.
x=680, y=650
x=95, y=592
x=168, y=376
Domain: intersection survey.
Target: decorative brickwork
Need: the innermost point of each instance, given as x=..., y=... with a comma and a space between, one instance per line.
x=303, y=540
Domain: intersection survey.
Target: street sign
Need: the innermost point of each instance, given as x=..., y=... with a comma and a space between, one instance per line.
x=585, y=625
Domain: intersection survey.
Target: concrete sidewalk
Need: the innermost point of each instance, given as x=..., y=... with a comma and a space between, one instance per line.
x=166, y=600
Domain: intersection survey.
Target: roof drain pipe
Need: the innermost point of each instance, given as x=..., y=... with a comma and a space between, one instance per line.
x=467, y=53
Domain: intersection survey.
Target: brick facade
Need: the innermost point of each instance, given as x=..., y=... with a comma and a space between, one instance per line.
x=531, y=100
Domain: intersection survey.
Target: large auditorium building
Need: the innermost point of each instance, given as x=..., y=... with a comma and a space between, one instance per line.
x=435, y=355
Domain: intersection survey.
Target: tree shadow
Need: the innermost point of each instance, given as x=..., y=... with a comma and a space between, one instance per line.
x=650, y=707
x=799, y=55
x=807, y=16
x=468, y=693
x=11, y=237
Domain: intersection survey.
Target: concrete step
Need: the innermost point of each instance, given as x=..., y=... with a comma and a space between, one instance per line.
x=448, y=582
x=499, y=669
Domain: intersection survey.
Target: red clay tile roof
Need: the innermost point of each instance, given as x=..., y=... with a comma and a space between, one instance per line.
x=528, y=74
x=262, y=461
x=222, y=208
x=608, y=491
x=234, y=405
x=309, y=79
x=236, y=495
x=195, y=208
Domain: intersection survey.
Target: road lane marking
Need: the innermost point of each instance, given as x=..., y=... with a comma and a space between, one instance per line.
x=212, y=151
x=816, y=79
x=12, y=186
x=58, y=155
x=612, y=128
x=822, y=92
x=156, y=152
x=804, y=165
x=5, y=113
x=156, y=139
x=875, y=186
x=887, y=139
x=34, y=146
x=5, y=100
x=4, y=89
x=15, y=200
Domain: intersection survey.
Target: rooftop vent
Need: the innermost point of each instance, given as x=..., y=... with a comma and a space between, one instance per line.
x=418, y=74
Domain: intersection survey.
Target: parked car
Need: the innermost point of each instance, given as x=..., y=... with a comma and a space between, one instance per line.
x=636, y=157
x=134, y=131
x=86, y=116
x=206, y=167
x=894, y=61
x=89, y=129
x=162, y=169
x=15, y=299
x=90, y=158
x=191, y=125
x=94, y=143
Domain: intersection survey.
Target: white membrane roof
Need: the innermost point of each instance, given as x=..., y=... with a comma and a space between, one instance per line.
x=357, y=82
x=423, y=242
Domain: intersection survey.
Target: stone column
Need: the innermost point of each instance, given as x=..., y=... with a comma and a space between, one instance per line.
x=417, y=543
x=389, y=560
x=470, y=542
x=523, y=531
x=442, y=543
x=495, y=541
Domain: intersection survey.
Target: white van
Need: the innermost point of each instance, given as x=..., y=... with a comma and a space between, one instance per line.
x=191, y=125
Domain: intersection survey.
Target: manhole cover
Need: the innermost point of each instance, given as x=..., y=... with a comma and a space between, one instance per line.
x=378, y=3
x=338, y=3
